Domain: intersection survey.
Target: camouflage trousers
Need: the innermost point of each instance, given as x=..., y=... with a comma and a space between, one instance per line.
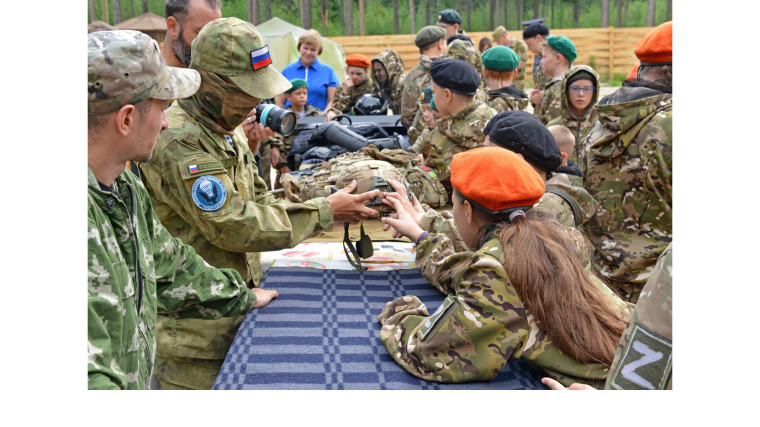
x=190, y=352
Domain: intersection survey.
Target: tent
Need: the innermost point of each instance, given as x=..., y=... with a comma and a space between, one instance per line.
x=282, y=38
x=149, y=23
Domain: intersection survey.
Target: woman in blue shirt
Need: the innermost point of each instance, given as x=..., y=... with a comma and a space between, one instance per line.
x=321, y=77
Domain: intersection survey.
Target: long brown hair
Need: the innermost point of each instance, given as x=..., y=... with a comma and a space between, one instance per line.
x=548, y=274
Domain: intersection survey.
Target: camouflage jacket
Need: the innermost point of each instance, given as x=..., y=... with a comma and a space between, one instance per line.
x=283, y=143
x=507, y=99
x=579, y=126
x=627, y=163
x=246, y=219
x=521, y=49
x=345, y=98
x=394, y=67
x=559, y=209
x=649, y=335
x=539, y=77
x=415, y=80
x=136, y=269
x=464, y=51
x=550, y=103
x=481, y=325
x=455, y=133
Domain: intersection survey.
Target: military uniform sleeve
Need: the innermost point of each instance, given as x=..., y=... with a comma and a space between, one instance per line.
x=470, y=337
x=187, y=286
x=237, y=224
x=102, y=371
x=443, y=223
x=409, y=99
x=342, y=99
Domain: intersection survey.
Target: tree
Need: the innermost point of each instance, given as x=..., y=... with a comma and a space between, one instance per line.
x=518, y=9
x=145, y=6
x=669, y=10
x=268, y=9
x=253, y=12
x=619, y=13
x=342, y=20
x=302, y=12
x=411, y=16
x=535, y=9
x=92, y=10
x=350, y=17
x=116, y=11
x=361, y=18
x=104, y=11
x=468, y=11
x=605, y=21
x=395, y=17
x=650, y=13
x=324, y=16
x=307, y=7
x=576, y=13
x=427, y=12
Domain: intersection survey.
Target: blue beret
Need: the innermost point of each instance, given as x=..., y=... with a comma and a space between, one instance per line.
x=524, y=134
x=455, y=75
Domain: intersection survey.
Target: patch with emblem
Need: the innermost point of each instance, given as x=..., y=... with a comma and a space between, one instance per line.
x=441, y=313
x=422, y=96
x=209, y=193
x=260, y=58
x=646, y=362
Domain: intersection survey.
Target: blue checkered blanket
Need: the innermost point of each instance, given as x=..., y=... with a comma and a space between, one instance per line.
x=322, y=333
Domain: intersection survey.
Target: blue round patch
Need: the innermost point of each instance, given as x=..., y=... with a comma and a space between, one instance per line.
x=209, y=193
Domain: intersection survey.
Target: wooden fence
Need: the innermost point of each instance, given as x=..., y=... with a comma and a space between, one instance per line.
x=608, y=50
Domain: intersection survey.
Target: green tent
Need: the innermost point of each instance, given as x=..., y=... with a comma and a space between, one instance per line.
x=282, y=38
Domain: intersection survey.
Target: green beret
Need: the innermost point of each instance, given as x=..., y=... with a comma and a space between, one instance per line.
x=432, y=102
x=564, y=46
x=296, y=84
x=426, y=95
x=500, y=58
x=429, y=35
x=449, y=16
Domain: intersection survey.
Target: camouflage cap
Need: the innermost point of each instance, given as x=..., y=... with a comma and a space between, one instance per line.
x=429, y=35
x=498, y=32
x=234, y=48
x=125, y=67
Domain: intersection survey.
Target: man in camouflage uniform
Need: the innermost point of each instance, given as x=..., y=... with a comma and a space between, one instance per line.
x=431, y=43
x=388, y=73
x=535, y=36
x=482, y=323
x=565, y=200
x=627, y=163
x=206, y=189
x=461, y=128
x=135, y=267
x=557, y=57
x=499, y=65
x=502, y=37
x=579, y=124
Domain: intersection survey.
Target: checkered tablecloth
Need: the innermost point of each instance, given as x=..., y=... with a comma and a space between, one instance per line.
x=322, y=333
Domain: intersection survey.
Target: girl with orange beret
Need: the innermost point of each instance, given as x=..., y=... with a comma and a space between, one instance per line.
x=356, y=85
x=519, y=290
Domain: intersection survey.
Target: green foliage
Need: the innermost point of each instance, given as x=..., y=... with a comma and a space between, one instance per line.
x=379, y=14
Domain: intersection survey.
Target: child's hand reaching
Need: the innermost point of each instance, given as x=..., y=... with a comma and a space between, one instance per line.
x=403, y=222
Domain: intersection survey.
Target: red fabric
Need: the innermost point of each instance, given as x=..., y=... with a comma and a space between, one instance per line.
x=496, y=178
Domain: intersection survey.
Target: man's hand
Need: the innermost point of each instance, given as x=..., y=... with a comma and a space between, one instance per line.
x=275, y=156
x=255, y=131
x=556, y=385
x=264, y=296
x=329, y=115
x=350, y=207
x=535, y=96
x=420, y=159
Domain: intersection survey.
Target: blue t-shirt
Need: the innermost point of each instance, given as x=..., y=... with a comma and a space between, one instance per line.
x=319, y=77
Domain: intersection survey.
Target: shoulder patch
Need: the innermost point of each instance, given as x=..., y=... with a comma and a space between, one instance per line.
x=646, y=362
x=441, y=313
x=209, y=193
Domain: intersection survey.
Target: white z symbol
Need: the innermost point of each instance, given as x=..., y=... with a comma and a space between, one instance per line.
x=650, y=356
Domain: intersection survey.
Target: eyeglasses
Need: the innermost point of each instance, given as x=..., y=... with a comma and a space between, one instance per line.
x=575, y=90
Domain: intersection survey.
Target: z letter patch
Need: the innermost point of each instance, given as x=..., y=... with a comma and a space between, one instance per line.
x=209, y=193
x=647, y=362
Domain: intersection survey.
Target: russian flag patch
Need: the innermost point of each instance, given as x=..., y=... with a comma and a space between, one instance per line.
x=193, y=168
x=260, y=58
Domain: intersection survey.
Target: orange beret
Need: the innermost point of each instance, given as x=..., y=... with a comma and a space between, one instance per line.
x=496, y=178
x=634, y=72
x=657, y=47
x=357, y=60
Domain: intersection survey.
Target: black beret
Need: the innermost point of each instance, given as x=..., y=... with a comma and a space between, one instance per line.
x=455, y=75
x=459, y=37
x=535, y=29
x=524, y=134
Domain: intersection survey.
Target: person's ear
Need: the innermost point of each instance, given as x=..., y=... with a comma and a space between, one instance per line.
x=468, y=213
x=448, y=95
x=172, y=26
x=125, y=119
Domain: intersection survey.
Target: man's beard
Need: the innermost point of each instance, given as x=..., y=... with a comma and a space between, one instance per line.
x=182, y=49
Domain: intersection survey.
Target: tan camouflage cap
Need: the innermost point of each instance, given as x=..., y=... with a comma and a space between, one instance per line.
x=234, y=48
x=125, y=67
x=498, y=32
